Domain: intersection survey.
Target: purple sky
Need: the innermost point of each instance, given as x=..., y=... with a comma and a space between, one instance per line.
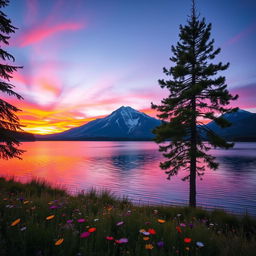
x=83, y=59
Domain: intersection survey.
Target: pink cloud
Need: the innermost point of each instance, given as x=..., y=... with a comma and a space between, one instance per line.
x=241, y=35
x=246, y=98
x=38, y=34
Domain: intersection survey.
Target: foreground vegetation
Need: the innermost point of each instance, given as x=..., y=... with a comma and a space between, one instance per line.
x=39, y=220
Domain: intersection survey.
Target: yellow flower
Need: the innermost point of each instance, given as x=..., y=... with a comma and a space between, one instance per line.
x=59, y=242
x=161, y=221
x=149, y=246
x=14, y=223
x=145, y=238
x=50, y=217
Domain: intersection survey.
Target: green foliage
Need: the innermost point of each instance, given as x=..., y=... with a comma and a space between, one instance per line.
x=196, y=92
x=9, y=122
x=220, y=232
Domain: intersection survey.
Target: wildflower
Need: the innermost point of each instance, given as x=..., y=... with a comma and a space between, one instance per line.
x=161, y=221
x=91, y=230
x=110, y=238
x=120, y=223
x=26, y=202
x=178, y=229
x=14, y=223
x=96, y=220
x=187, y=240
x=183, y=225
x=59, y=242
x=200, y=244
x=85, y=234
x=191, y=225
x=142, y=230
x=187, y=248
x=149, y=246
x=23, y=228
x=50, y=217
x=81, y=220
x=152, y=231
x=52, y=207
x=69, y=221
x=123, y=240
x=160, y=244
x=146, y=233
x=179, y=214
x=155, y=211
x=146, y=238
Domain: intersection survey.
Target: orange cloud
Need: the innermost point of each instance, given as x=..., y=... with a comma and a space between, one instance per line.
x=41, y=33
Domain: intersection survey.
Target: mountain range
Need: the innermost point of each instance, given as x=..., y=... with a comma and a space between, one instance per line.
x=126, y=123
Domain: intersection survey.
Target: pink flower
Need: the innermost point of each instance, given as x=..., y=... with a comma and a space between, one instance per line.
x=85, y=234
x=120, y=223
x=69, y=221
x=110, y=238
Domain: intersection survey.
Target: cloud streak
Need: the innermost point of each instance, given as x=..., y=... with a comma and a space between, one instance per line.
x=38, y=34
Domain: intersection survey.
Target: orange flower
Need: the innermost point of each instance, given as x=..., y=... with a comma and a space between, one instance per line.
x=149, y=246
x=187, y=240
x=161, y=221
x=50, y=217
x=26, y=202
x=14, y=223
x=59, y=242
x=91, y=230
x=152, y=231
x=145, y=238
x=187, y=248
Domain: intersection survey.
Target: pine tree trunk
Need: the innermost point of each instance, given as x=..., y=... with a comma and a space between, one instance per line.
x=192, y=180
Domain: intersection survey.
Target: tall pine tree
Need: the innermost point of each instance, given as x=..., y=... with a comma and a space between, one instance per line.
x=9, y=122
x=196, y=93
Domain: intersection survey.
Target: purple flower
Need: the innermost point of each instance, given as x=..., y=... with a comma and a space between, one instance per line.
x=54, y=207
x=81, y=220
x=160, y=244
x=85, y=234
x=69, y=221
x=120, y=223
x=123, y=240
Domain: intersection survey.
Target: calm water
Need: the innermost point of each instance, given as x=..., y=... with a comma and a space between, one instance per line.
x=131, y=169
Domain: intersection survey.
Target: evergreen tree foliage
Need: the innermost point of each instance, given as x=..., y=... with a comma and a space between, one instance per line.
x=196, y=92
x=9, y=122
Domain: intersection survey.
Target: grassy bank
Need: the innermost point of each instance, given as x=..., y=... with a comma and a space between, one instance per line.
x=38, y=220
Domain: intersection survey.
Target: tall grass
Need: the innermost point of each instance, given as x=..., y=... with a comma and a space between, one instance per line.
x=121, y=227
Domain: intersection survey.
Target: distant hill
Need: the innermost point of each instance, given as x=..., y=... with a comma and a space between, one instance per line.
x=243, y=126
x=23, y=136
x=124, y=123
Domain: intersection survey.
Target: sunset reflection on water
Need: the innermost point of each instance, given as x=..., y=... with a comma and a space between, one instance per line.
x=132, y=169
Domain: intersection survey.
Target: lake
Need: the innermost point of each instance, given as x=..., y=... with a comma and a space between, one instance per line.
x=132, y=169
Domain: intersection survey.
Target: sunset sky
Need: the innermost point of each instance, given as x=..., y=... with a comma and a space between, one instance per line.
x=83, y=59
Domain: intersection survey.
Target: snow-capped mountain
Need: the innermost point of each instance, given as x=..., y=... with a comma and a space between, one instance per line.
x=123, y=123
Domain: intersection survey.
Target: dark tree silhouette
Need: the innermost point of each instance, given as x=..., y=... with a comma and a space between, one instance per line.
x=9, y=122
x=196, y=93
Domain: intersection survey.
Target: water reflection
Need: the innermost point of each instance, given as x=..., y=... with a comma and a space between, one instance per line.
x=132, y=168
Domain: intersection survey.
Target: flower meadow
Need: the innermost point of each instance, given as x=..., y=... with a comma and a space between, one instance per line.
x=39, y=220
